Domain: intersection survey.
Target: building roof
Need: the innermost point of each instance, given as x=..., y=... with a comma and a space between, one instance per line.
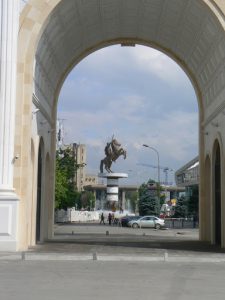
x=189, y=165
x=131, y=187
x=188, y=175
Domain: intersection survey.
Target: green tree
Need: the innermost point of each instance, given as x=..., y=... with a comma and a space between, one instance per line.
x=193, y=201
x=162, y=199
x=147, y=206
x=66, y=194
x=148, y=199
x=181, y=207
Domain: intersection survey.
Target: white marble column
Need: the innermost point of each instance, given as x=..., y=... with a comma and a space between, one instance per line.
x=9, y=17
x=9, y=25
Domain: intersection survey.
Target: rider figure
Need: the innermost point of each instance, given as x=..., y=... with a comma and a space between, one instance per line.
x=116, y=148
x=108, y=150
x=112, y=151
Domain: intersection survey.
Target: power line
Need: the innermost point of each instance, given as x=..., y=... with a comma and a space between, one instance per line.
x=165, y=169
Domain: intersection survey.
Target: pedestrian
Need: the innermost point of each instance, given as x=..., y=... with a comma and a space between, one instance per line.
x=195, y=220
x=110, y=219
x=113, y=219
x=102, y=219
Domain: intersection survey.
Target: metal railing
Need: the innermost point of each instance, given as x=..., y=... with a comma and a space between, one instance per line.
x=181, y=223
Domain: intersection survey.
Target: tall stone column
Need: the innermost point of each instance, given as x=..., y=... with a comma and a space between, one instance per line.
x=112, y=197
x=9, y=25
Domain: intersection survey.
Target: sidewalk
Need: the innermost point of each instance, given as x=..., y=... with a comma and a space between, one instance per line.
x=108, y=243
x=101, y=262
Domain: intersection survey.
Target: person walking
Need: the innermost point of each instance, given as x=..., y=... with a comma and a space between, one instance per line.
x=102, y=219
x=110, y=219
x=113, y=219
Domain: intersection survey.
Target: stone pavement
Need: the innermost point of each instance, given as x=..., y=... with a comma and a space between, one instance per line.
x=108, y=243
x=98, y=280
x=109, y=263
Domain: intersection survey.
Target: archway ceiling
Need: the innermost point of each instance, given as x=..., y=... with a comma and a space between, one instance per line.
x=186, y=30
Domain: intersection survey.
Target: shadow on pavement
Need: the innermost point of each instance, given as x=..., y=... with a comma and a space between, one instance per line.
x=137, y=244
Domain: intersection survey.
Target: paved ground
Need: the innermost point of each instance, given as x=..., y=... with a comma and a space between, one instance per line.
x=96, y=262
x=98, y=280
x=102, y=242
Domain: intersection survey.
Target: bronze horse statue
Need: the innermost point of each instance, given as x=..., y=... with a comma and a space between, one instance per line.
x=113, y=151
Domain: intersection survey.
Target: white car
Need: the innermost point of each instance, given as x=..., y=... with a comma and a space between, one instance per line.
x=147, y=221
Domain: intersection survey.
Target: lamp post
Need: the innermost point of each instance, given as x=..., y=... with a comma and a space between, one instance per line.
x=158, y=188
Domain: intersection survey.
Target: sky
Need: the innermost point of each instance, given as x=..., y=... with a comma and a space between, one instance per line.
x=139, y=95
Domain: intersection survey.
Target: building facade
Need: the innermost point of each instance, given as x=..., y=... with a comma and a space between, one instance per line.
x=188, y=177
x=100, y=192
x=79, y=151
x=91, y=179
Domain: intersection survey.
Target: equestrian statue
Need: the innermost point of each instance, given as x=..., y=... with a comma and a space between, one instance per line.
x=113, y=150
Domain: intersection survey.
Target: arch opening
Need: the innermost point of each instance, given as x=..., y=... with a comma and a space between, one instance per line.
x=39, y=192
x=117, y=91
x=70, y=30
x=217, y=194
x=207, y=204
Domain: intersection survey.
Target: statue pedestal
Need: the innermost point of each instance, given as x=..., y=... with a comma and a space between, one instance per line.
x=113, y=185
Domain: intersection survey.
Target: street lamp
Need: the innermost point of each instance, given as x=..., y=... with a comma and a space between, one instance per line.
x=158, y=188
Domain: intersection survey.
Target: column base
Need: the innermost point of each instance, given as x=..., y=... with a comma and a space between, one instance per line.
x=9, y=203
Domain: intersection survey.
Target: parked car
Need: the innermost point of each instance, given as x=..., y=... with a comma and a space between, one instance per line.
x=124, y=220
x=147, y=221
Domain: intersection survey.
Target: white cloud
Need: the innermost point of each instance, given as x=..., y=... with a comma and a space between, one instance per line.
x=173, y=135
x=177, y=134
x=127, y=107
x=147, y=59
x=159, y=64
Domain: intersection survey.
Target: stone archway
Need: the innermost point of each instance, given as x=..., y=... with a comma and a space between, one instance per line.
x=54, y=36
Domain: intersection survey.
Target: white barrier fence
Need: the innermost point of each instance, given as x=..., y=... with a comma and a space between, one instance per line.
x=72, y=215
